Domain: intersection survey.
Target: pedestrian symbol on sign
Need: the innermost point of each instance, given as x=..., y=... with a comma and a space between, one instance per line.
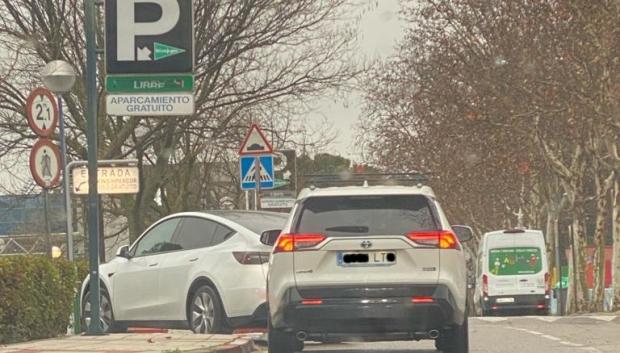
x=265, y=172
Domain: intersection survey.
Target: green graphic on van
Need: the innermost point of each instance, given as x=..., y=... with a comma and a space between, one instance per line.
x=515, y=261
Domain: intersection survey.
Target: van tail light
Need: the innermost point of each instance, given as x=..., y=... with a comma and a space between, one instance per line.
x=485, y=286
x=441, y=239
x=251, y=258
x=547, y=283
x=297, y=242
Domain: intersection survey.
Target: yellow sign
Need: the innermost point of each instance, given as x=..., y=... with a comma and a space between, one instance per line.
x=110, y=180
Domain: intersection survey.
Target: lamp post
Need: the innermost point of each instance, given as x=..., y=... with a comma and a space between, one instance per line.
x=59, y=77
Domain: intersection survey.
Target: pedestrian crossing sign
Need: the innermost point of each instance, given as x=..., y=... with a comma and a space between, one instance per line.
x=248, y=172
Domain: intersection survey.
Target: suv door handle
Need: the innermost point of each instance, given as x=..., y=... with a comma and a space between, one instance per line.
x=194, y=259
x=153, y=265
x=523, y=280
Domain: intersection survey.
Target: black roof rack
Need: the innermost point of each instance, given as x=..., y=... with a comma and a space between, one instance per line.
x=358, y=179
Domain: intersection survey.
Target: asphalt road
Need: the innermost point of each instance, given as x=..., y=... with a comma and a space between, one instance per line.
x=594, y=334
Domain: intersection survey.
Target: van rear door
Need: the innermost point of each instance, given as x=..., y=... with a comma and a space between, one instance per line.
x=531, y=263
x=517, y=264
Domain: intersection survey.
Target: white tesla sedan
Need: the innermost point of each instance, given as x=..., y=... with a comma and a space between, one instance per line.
x=199, y=270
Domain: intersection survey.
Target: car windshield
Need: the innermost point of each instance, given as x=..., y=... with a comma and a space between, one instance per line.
x=366, y=215
x=256, y=222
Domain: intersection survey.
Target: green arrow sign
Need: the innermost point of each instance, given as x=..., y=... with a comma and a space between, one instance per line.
x=150, y=84
x=280, y=183
x=163, y=51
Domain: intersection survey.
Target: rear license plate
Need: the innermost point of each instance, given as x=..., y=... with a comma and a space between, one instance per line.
x=505, y=300
x=370, y=258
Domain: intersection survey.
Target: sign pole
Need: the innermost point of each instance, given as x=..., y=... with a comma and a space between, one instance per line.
x=247, y=200
x=257, y=182
x=65, y=173
x=48, y=236
x=91, y=137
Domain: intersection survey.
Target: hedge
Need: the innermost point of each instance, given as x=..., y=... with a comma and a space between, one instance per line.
x=36, y=297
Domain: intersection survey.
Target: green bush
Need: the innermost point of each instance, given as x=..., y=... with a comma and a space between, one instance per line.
x=36, y=297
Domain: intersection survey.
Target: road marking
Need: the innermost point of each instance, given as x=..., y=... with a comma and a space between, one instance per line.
x=534, y=332
x=547, y=318
x=571, y=344
x=553, y=338
x=493, y=319
x=602, y=318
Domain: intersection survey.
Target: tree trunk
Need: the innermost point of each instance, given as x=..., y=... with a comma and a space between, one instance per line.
x=579, y=253
x=598, y=295
x=616, y=246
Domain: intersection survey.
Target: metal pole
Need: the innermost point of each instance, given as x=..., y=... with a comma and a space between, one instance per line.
x=65, y=173
x=257, y=180
x=48, y=236
x=247, y=200
x=91, y=137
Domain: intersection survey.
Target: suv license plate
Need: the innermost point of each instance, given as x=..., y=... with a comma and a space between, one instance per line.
x=370, y=258
x=505, y=300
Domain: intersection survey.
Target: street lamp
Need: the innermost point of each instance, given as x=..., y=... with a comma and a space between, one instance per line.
x=59, y=77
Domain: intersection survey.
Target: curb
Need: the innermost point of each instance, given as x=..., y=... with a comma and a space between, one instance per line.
x=240, y=345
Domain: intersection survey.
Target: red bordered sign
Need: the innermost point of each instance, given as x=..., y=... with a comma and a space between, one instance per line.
x=255, y=143
x=45, y=164
x=42, y=112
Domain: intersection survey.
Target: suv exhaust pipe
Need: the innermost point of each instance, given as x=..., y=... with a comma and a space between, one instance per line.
x=433, y=334
x=301, y=336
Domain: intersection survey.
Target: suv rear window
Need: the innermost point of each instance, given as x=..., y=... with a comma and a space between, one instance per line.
x=366, y=215
x=515, y=261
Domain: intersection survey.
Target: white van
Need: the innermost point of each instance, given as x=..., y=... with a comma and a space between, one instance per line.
x=512, y=272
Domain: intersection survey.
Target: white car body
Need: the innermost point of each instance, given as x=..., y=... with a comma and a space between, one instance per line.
x=154, y=289
x=512, y=271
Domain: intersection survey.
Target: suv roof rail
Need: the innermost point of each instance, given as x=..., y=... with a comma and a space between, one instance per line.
x=364, y=179
x=514, y=230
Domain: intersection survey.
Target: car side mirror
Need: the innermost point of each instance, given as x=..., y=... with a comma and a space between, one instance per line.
x=464, y=233
x=123, y=251
x=269, y=237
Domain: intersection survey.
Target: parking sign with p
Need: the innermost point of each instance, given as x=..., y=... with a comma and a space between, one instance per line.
x=149, y=36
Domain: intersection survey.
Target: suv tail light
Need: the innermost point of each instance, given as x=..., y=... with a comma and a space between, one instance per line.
x=251, y=258
x=297, y=242
x=485, y=285
x=442, y=239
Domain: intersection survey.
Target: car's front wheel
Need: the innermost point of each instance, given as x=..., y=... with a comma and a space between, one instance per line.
x=106, y=314
x=205, y=312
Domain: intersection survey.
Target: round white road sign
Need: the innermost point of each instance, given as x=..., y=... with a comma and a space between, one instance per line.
x=42, y=112
x=45, y=163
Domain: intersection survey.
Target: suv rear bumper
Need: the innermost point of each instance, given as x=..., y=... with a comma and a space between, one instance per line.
x=342, y=310
x=520, y=302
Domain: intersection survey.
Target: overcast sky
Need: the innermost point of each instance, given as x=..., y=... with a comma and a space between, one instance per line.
x=380, y=31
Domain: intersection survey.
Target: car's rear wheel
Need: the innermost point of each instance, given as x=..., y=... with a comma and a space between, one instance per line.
x=205, y=312
x=283, y=342
x=106, y=314
x=455, y=340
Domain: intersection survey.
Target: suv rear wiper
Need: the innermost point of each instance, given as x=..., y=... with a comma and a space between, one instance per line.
x=348, y=229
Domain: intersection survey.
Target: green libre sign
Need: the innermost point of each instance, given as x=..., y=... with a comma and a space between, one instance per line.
x=150, y=84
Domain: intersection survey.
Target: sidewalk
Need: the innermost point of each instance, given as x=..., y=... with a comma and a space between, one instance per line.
x=174, y=341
